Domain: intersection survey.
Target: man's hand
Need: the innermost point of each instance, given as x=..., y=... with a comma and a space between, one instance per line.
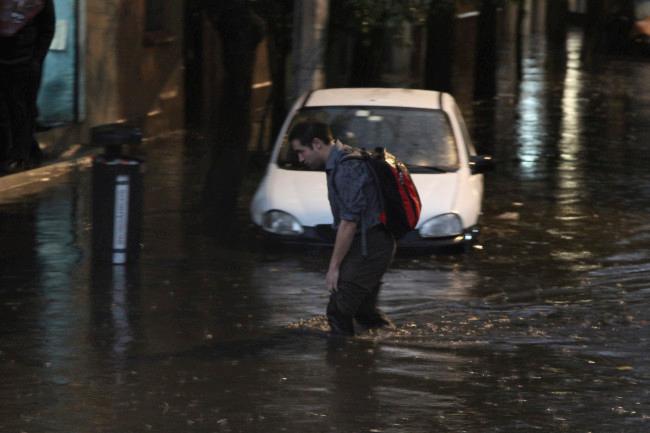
x=332, y=280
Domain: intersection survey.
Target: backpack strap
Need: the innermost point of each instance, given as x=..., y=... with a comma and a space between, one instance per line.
x=363, y=155
x=351, y=156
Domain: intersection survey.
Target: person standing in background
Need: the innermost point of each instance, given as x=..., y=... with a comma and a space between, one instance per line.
x=26, y=32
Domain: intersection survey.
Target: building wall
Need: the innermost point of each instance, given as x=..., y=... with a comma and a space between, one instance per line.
x=130, y=74
x=125, y=74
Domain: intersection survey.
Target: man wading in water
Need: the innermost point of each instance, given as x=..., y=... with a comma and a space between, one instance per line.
x=355, y=270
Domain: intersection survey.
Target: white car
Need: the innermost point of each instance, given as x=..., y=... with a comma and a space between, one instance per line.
x=425, y=129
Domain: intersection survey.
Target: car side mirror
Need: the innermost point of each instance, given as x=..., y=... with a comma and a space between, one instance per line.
x=479, y=164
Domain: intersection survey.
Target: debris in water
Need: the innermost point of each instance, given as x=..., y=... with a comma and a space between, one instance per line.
x=508, y=216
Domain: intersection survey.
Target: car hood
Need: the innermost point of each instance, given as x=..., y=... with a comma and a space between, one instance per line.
x=303, y=194
x=438, y=193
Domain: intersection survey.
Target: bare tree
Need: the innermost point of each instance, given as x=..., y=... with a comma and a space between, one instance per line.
x=240, y=31
x=486, y=51
x=439, y=45
x=278, y=17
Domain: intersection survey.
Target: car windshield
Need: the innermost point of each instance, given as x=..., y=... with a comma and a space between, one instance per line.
x=421, y=138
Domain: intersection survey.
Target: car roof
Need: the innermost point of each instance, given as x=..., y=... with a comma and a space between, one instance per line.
x=386, y=97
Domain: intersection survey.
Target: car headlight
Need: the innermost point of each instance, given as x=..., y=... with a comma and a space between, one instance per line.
x=441, y=226
x=281, y=223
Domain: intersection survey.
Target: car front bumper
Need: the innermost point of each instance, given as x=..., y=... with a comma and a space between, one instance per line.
x=324, y=235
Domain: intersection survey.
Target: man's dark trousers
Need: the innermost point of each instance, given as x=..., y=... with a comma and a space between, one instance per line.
x=359, y=283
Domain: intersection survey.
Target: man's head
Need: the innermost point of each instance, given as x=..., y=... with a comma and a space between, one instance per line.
x=312, y=143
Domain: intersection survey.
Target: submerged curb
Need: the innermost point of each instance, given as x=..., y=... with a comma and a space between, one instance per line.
x=45, y=172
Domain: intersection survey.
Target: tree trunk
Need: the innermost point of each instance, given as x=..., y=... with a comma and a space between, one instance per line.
x=486, y=52
x=367, y=59
x=278, y=16
x=519, y=40
x=594, y=30
x=241, y=32
x=278, y=53
x=193, y=64
x=557, y=14
x=310, y=31
x=440, y=49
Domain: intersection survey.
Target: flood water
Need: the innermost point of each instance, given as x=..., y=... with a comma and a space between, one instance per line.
x=543, y=326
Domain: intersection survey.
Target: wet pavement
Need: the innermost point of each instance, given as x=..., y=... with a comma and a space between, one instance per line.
x=544, y=326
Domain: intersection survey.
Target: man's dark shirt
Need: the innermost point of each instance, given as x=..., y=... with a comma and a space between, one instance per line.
x=351, y=190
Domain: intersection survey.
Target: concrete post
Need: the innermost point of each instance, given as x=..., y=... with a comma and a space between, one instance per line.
x=309, y=39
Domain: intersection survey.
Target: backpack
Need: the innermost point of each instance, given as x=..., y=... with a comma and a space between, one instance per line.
x=399, y=197
x=15, y=14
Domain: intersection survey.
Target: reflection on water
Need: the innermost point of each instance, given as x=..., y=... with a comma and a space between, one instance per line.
x=571, y=135
x=544, y=329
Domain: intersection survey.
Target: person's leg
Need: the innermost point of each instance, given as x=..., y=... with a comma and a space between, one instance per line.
x=5, y=125
x=369, y=315
x=371, y=273
x=343, y=305
x=35, y=152
x=359, y=282
x=20, y=113
x=340, y=322
x=5, y=136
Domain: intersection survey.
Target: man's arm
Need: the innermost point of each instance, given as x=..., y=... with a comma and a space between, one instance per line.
x=344, y=237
